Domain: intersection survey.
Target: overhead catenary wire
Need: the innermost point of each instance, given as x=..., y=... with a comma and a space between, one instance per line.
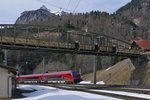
x=44, y=2
x=76, y=6
x=68, y=4
x=53, y=5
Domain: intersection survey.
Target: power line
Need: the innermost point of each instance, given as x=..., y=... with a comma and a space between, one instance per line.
x=68, y=4
x=48, y=3
x=76, y=6
x=53, y=5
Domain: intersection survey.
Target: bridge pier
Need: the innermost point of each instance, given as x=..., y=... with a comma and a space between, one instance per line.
x=5, y=57
x=140, y=72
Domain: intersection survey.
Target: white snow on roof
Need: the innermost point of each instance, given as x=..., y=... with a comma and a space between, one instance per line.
x=50, y=93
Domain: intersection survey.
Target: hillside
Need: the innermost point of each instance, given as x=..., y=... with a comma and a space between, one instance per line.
x=138, y=11
x=135, y=8
x=94, y=21
x=131, y=20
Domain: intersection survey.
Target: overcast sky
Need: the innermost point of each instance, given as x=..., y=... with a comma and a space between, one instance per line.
x=10, y=10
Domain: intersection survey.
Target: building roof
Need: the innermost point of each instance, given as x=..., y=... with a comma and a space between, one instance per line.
x=143, y=44
x=11, y=69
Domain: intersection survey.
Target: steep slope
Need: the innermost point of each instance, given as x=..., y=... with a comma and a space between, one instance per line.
x=119, y=73
x=124, y=73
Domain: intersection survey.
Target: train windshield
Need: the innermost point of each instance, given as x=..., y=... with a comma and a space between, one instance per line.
x=75, y=73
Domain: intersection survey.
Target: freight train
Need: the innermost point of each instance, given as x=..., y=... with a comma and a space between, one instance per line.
x=54, y=77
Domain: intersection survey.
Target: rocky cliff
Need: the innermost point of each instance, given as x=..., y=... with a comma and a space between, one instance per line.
x=39, y=15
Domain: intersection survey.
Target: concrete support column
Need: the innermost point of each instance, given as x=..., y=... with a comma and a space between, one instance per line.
x=43, y=65
x=94, y=69
x=5, y=57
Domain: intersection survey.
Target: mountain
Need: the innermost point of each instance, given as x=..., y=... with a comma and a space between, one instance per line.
x=138, y=11
x=95, y=21
x=135, y=8
x=129, y=21
x=39, y=15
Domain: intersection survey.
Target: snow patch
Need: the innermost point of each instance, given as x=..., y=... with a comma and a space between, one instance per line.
x=100, y=82
x=108, y=69
x=89, y=82
x=50, y=93
x=142, y=96
x=85, y=82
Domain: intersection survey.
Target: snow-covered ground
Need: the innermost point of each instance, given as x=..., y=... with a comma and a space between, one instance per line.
x=50, y=93
x=89, y=82
x=47, y=93
x=142, y=96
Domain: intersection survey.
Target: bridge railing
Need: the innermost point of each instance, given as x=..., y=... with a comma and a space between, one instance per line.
x=60, y=44
x=127, y=50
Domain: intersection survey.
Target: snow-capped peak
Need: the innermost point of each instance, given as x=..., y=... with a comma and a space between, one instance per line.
x=59, y=12
x=44, y=8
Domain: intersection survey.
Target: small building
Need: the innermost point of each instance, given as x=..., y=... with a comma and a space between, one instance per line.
x=7, y=81
x=144, y=45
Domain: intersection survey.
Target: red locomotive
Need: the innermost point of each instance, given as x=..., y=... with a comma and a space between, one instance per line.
x=62, y=76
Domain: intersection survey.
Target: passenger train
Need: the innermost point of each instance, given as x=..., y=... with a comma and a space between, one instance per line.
x=62, y=76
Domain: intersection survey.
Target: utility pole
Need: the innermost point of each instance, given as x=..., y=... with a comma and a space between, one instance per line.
x=94, y=69
x=43, y=65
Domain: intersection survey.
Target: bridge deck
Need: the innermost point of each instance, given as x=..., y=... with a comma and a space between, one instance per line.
x=45, y=38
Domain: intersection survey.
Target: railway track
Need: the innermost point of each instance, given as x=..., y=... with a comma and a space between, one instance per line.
x=94, y=89
x=100, y=89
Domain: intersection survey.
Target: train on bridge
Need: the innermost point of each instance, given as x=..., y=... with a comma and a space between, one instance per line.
x=68, y=77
